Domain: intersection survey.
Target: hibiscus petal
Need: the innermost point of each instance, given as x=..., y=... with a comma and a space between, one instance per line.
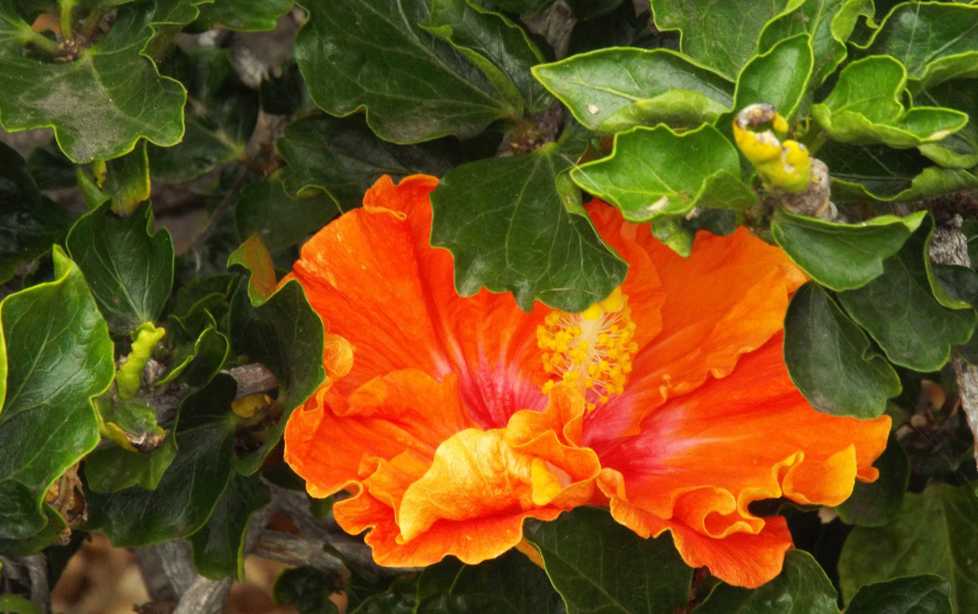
x=403, y=410
x=375, y=280
x=470, y=499
x=701, y=459
x=727, y=298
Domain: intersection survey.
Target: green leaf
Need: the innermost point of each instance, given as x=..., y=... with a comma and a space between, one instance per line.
x=128, y=267
x=802, y=588
x=113, y=469
x=614, y=89
x=831, y=361
x=936, y=532
x=15, y=604
x=878, y=173
x=510, y=583
x=875, y=505
x=100, y=104
x=779, y=76
x=286, y=335
x=264, y=209
x=412, y=86
x=829, y=22
x=127, y=180
x=842, y=256
x=192, y=484
x=29, y=222
x=197, y=361
x=218, y=546
x=899, y=310
x=865, y=108
x=342, y=158
x=56, y=356
x=244, y=15
x=221, y=116
x=597, y=565
x=307, y=589
x=50, y=534
x=495, y=45
x=130, y=423
x=722, y=35
x=936, y=41
x=655, y=172
x=516, y=223
x=954, y=286
x=958, y=150
x=928, y=594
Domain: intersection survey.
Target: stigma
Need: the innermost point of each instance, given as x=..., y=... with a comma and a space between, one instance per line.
x=591, y=350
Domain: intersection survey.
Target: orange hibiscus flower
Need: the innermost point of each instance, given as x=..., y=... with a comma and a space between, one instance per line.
x=451, y=420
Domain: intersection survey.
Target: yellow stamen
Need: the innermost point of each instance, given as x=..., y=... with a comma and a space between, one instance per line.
x=591, y=350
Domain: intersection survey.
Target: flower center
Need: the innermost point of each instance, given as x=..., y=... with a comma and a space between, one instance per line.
x=591, y=350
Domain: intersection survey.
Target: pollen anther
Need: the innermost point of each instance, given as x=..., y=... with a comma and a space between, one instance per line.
x=591, y=350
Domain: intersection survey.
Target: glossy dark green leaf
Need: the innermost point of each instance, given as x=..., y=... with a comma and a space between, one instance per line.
x=113, y=469
x=958, y=285
x=510, y=583
x=655, y=172
x=842, y=256
x=190, y=487
x=264, y=209
x=831, y=361
x=865, y=107
x=218, y=546
x=100, y=104
x=516, y=224
x=875, y=505
x=244, y=15
x=878, y=173
x=936, y=532
x=412, y=86
x=597, y=565
x=722, y=35
x=128, y=266
x=900, y=312
x=56, y=356
x=936, y=41
x=221, y=115
x=829, y=22
x=343, y=158
x=802, y=588
x=130, y=423
x=780, y=76
x=307, y=590
x=959, y=150
x=197, y=360
x=29, y=222
x=610, y=90
x=286, y=335
x=127, y=180
x=494, y=44
x=927, y=594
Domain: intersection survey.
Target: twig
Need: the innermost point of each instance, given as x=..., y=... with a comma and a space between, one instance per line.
x=32, y=572
x=170, y=577
x=950, y=246
x=297, y=550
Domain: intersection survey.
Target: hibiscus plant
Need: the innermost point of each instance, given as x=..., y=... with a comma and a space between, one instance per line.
x=529, y=306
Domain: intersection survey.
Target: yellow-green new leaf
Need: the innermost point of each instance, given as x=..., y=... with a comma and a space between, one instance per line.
x=865, y=108
x=655, y=172
x=614, y=89
x=58, y=356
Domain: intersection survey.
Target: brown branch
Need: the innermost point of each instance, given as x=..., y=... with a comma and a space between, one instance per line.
x=950, y=246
